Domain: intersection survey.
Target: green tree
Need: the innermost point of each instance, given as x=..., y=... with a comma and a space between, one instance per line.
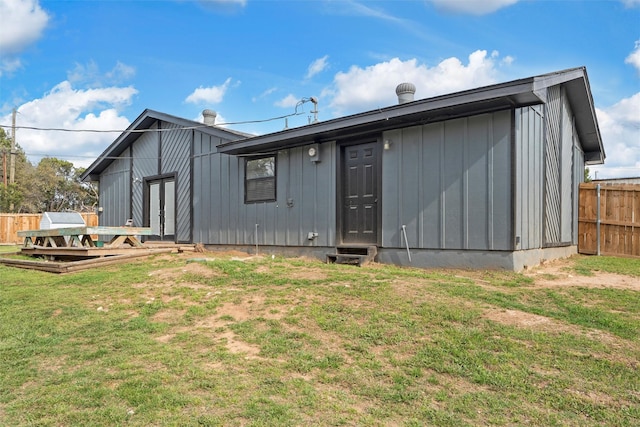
x=52, y=185
x=11, y=194
x=56, y=186
x=587, y=175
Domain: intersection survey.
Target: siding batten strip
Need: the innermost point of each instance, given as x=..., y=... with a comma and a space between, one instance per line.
x=490, y=218
x=465, y=184
x=443, y=208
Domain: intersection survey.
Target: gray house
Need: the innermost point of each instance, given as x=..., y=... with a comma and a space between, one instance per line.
x=484, y=178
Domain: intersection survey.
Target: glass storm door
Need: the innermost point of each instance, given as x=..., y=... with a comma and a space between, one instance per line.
x=162, y=209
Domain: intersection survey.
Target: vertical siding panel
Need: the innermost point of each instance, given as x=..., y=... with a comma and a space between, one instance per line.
x=538, y=184
x=409, y=179
x=552, y=166
x=115, y=192
x=443, y=192
x=446, y=182
x=391, y=159
x=431, y=196
x=578, y=173
x=477, y=183
x=522, y=196
x=529, y=192
x=453, y=183
x=175, y=155
x=308, y=194
x=294, y=194
x=222, y=217
x=566, y=167
x=145, y=163
x=502, y=190
x=281, y=205
x=325, y=196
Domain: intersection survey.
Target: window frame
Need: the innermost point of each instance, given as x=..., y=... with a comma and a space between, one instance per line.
x=273, y=178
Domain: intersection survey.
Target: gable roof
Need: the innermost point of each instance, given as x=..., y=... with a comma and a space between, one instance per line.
x=517, y=93
x=144, y=121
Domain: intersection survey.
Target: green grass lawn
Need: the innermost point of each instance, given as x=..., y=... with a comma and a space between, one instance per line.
x=261, y=341
x=8, y=248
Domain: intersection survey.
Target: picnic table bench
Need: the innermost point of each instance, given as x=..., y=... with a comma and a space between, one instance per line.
x=81, y=237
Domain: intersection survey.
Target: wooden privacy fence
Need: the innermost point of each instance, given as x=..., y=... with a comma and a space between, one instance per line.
x=10, y=224
x=609, y=219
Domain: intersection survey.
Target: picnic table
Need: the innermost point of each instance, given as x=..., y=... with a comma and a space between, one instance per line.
x=81, y=237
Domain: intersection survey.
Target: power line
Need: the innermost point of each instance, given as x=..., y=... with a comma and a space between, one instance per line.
x=245, y=122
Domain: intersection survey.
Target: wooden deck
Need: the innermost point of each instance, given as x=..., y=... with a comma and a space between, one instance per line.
x=77, y=248
x=82, y=237
x=73, y=266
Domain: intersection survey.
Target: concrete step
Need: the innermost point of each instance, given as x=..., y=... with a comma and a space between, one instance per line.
x=354, y=255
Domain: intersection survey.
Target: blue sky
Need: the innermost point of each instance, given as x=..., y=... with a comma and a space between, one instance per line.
x=97, y=65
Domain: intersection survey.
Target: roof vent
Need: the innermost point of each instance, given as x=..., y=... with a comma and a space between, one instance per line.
x=405, y=92
x=209, y=117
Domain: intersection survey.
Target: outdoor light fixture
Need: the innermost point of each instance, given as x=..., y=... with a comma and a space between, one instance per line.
x=314, y=153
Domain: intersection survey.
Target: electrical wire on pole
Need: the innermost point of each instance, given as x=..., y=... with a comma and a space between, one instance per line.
x=12, y=167
x=12, y=161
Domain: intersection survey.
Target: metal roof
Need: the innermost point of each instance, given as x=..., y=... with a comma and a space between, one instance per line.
x=145, y=121
x=517, y=93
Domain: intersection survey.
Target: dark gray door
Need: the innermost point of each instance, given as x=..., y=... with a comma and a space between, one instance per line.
x=359, y=181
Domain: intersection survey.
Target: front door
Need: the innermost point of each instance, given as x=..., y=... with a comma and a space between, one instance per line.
x=359, y=189
x=161, y=208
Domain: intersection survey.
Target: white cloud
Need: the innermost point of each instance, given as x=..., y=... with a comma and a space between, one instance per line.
x=121, y=72
x=361, y=89
x=288, y=101
x=634, y=57
x=90, y=75
x=631, y=3
x=473, y=7
x=620, y=130
x=9, y=65
x=264, y=94
x=317, y=66
x=73, y=109
x=209, y=95
x=23, y=22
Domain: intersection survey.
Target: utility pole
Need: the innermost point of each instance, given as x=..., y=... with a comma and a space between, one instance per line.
x=12, y=166
x=12, y=162
x=4, y=166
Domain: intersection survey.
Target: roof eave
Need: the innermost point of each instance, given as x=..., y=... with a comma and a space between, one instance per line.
x=144, y=121
x=576, y=84
x=517, y=93
x=488, y=99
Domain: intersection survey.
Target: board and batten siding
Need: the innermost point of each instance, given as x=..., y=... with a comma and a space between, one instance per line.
x=305, y=202
x=529, y=165
x=563, y=158
x=449, y=184
x=114, y=188
x=175, y=157
x=145, y=163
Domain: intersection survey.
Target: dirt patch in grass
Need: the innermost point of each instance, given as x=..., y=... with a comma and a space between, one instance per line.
x=559, y=273
x=250, y=308
x=525, y=320
x=234, y=345
x=216, y=326
x=171, y=274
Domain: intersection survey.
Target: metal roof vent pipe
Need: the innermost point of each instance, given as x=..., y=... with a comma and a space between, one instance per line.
x=209, y=117
x=405, y=92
